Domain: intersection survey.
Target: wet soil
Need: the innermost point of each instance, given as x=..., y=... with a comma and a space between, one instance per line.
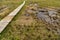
x=49, y=16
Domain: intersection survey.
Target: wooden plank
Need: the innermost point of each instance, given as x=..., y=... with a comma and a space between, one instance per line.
x=5, y=21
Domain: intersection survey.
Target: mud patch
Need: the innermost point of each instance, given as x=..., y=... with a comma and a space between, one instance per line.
x=48, y=15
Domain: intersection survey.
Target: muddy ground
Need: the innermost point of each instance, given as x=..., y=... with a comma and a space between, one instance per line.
x=39, y=23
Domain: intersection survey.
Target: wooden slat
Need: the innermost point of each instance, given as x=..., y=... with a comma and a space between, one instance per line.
x=5, y=21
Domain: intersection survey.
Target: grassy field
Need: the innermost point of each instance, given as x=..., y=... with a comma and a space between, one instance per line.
x=16, y=31
x=10, y=5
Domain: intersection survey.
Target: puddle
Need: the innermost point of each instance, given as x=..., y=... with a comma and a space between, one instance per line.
x=50, y=16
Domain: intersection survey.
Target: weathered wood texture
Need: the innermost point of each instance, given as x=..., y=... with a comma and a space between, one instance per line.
x=5, y=21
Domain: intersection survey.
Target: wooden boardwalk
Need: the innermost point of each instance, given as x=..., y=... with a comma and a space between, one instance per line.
x=5, y=21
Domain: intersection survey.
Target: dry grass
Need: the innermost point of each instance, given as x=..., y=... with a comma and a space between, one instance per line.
x=36, y=30
x=10, y=5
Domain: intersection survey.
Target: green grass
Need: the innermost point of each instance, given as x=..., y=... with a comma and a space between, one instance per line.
x=14, y=31
x=46, y=3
